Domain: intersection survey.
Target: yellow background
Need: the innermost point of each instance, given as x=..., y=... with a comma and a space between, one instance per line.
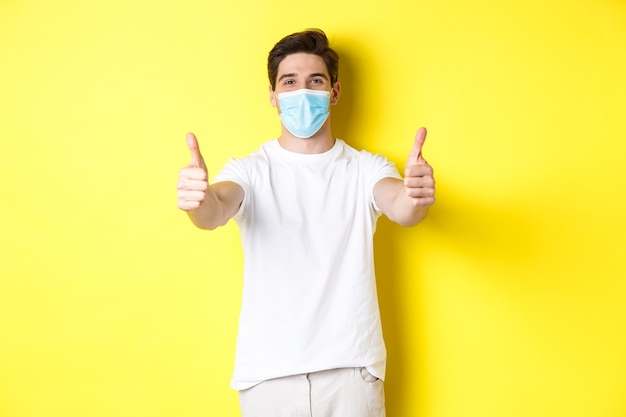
x=509, y=300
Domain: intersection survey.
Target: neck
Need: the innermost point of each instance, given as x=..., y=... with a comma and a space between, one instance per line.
x=320, y=142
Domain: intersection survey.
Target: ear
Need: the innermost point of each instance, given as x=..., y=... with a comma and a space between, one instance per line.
x=273, y=99
x=335, y=93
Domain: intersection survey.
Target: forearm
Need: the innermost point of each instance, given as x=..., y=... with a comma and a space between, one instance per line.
x=402, y=205
x=210, y=214
x=406, y=211
x=207, y=206
x=212, y=206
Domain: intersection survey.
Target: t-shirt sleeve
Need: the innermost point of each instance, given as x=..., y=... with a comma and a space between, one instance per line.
x=378, y=167
x=235, y=171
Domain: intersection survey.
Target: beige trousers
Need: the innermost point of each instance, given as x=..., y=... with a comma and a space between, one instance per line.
x=345, y=392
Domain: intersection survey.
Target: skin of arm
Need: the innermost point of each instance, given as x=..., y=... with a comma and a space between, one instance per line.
x=221, y=203
x=407, y=201
x=211, y=206
x=392, y=197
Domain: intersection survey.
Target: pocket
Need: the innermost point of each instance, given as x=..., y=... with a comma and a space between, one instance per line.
x=367, y=376
x=374, y=392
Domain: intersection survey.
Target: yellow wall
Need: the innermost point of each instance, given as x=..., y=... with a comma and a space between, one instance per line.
x=508, y=301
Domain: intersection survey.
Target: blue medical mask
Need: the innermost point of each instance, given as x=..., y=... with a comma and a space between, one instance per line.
x=304, y=111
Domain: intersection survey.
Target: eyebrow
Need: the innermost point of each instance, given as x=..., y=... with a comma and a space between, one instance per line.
x=293, y=74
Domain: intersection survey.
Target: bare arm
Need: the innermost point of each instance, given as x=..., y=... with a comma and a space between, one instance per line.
x=208, y=206
x=406, y=202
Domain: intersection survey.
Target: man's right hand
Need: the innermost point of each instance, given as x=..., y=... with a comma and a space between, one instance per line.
x=193, y=181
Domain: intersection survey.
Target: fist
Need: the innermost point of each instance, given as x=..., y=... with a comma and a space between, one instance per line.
x=193, y=180
x=419, y=182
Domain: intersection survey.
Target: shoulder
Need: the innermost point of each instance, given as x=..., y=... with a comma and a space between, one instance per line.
x=364, y=157
x=242, y=169
x=262, y=154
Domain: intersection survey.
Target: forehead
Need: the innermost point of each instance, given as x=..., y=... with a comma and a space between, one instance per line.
x=302, y=63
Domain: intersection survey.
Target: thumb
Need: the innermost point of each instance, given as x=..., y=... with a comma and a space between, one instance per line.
x=415, y=157
x=194, y=148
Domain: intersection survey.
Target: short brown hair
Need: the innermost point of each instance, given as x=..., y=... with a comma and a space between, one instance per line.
x=312, y=41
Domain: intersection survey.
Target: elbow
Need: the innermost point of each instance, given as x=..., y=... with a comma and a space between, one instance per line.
x=208, y=225
x=206, y=222
x=412, y=218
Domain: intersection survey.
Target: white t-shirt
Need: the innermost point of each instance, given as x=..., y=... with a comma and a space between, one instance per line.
x=309, y=295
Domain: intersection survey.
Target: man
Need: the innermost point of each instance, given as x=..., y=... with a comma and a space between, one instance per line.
x=310, y=340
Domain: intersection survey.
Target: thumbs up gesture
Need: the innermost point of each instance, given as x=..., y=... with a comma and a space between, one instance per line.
x=193, y=181
x=419, y=182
